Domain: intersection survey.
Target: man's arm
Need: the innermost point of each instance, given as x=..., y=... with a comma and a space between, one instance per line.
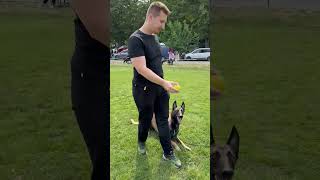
x=95, y=15
x=139, y=64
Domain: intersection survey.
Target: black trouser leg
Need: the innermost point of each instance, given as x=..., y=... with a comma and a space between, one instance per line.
x=90, y=96
x=95, y=137
x=145, y=117
x=161, y=109
x=144, y=98
x=91, y=101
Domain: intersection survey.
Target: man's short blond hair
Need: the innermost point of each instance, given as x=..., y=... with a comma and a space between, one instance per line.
x=156, y=7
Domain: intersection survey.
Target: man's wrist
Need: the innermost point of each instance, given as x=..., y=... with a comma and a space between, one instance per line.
x=162, y=82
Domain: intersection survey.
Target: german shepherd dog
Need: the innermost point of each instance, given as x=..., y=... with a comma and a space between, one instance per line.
x=223, y=158
x=174, y=120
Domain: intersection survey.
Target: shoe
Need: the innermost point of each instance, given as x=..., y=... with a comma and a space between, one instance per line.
x=171, y=157
x=142, y=148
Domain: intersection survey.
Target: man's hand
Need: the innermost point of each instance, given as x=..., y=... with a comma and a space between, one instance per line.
x=139, y=63
x=169, y=86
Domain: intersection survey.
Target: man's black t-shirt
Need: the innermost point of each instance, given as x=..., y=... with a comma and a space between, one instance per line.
x=141, y=44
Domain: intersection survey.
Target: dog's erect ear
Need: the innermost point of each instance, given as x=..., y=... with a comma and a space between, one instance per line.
x=183, y=107
x=174, y=106
x=234, y=140
x=211, y=137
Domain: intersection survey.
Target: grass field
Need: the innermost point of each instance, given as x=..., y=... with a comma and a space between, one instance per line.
x=39, y=136
x=125, y=162
x=270, y=62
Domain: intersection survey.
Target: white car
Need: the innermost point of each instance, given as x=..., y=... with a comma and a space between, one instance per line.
x=199, y=54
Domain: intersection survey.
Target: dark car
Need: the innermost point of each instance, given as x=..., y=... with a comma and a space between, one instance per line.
x=164, y=51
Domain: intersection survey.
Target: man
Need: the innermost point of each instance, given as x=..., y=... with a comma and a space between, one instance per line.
x=90, y=80
x=150, y=90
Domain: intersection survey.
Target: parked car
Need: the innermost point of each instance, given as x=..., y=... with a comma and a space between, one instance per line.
x=122, y=48
x=164, y=51
x=121, y=55
x=199, y=54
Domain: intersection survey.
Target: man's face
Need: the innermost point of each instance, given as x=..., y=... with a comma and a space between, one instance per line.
x=159, y=22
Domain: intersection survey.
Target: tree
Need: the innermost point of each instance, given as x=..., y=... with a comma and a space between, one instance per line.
x=194, y=12
x=179, y=36
x=126, y=17
x=129, y=15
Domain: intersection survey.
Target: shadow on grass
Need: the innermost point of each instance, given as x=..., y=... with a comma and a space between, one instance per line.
x=142, y=167
x=165, y=168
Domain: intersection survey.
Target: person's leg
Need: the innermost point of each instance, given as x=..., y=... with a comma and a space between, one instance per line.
x=100, y=108
x=91, y=100
x=144, y=99
x=161, y=110
x=94, y=133
x=162, y=113
x=91, y=107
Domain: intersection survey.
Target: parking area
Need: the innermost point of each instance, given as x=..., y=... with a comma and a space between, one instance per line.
x=175, y=62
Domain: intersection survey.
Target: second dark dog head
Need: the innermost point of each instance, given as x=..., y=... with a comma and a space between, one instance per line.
x=224, y=158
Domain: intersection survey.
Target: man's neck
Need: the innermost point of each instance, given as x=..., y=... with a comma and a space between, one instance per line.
x=146, y=30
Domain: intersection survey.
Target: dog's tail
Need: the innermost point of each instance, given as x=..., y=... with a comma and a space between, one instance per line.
x=134, y=122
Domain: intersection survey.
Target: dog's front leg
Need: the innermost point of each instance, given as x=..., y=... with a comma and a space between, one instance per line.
x=184, y=146
x=175, y=146
x=154, y=123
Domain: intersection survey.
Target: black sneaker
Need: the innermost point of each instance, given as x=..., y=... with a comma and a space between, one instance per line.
x=173, y=159
x=142, y=148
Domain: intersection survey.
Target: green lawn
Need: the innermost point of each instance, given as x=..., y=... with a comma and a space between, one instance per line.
x=39, y=136
x=270, y=62
x=125, y=162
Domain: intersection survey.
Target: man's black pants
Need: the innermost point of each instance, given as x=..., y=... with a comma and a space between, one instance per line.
x=151, y=99
x=91, y=98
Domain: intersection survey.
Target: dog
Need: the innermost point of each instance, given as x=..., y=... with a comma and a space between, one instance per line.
x=223, y=158
x=174, y=121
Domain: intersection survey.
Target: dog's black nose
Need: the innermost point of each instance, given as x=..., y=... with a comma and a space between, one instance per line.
x=228, y=172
